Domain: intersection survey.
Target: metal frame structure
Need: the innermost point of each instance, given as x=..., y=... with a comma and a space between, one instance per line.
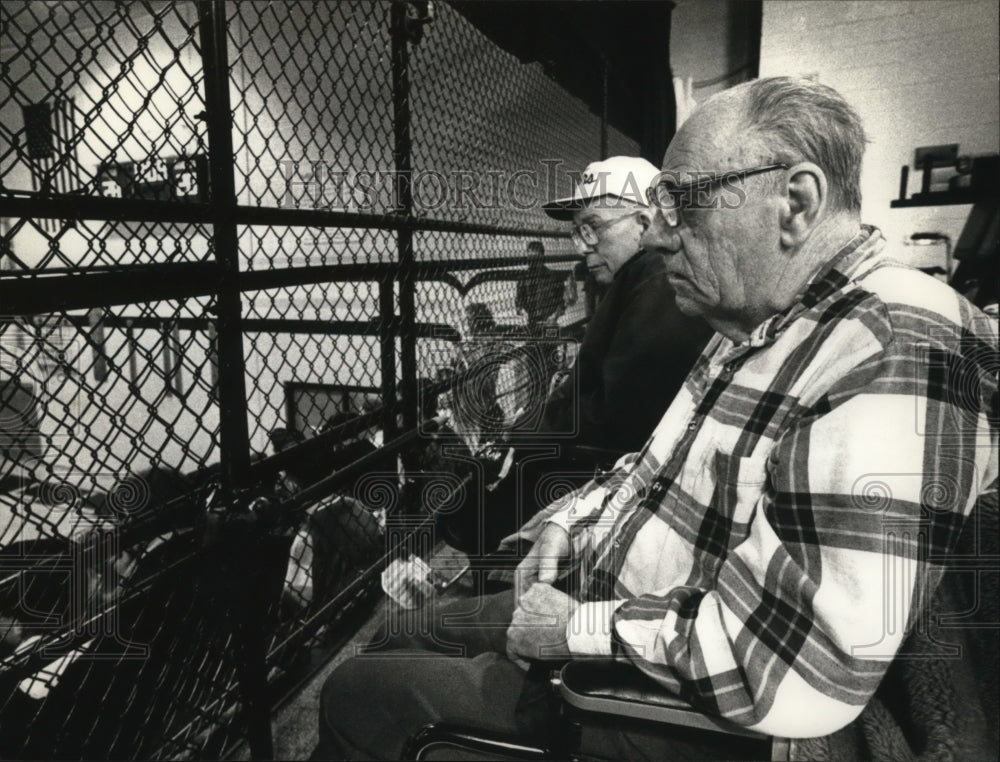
x=234, y=511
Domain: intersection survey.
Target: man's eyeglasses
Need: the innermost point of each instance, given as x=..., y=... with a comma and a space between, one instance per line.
x=671, y=198
x=586, y=234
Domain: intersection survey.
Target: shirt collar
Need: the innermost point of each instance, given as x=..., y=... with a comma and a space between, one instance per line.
x=854, y=258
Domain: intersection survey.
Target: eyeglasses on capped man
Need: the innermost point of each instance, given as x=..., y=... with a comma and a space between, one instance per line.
x=607, y=195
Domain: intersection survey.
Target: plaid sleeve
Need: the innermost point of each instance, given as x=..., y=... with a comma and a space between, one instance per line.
x=865, y=494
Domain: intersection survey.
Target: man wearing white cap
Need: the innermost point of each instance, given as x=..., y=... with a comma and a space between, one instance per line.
x=636, y=352
x=638, y=347
x=778, y=541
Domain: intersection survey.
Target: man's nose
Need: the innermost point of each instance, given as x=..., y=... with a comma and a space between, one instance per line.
x=657, y=235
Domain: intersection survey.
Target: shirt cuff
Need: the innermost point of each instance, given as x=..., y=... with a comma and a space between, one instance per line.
x=589, y=629
x=577, y=506
x=562, y=519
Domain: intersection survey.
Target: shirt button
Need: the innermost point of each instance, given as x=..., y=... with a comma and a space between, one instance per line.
x=728, y=368
x=692, y=426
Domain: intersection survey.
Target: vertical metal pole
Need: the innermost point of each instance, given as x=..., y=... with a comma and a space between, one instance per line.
x=233, y=431
x=177, y=369
x=213, y=359
x=404, y=201
x=94, y=317
x=167, y=360
x=248, y=612
x=387, y=353
x=133, y=349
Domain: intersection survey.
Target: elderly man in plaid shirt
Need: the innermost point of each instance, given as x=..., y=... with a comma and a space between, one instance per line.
x=799, y=495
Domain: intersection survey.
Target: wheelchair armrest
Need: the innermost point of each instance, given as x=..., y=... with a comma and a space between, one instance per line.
x=606, y=686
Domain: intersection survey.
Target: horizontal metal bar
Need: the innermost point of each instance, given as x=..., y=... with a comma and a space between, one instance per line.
x=308, y=386
x=324, y=218
x=259, y=280
x=128, y=285
x=330, y=327
x=145, y=322
x=49, y=272
x=291, y=276
x=448, y=265
x=252, y=280
x=345, y=328
x=79, y=207
x=108, y=209
x=264, y=325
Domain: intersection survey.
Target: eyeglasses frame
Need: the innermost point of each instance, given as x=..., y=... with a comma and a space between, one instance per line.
x=672, y=215
x=576, y=234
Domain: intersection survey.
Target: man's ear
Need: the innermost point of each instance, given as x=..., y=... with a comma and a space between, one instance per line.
x=645, y=218
x=807, y=199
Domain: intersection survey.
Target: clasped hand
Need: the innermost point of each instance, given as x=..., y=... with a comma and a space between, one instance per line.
x=538, y=627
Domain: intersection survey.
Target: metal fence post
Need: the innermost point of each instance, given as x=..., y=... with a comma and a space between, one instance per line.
x=233, y=427
x=404, y=205
x=387, y=353
x=233, y=432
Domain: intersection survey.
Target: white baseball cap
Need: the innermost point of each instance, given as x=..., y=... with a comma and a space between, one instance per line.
x=625, y=177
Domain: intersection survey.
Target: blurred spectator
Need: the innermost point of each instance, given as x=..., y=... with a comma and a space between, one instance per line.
x=282, y=439
x=427, y=398
x=340, y=535
x=354, y=443
x=540, y=291
x=480, y=320
x=292, y=479
x=339, y=538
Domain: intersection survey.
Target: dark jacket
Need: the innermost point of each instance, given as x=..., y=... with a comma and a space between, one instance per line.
x=635, y=355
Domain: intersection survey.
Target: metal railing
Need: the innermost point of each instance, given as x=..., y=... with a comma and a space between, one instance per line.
x=204, y=202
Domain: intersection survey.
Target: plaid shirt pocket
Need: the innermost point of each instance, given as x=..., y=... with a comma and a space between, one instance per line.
x=741, y=481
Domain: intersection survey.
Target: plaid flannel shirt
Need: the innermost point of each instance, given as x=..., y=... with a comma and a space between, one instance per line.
x=778, y=536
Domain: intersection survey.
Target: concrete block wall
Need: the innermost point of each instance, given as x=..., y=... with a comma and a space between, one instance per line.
x=919, y=73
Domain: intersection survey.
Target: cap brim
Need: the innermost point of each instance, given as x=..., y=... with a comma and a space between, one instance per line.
x=563, y=208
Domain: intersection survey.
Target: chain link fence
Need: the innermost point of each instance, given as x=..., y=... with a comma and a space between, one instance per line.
x=249, y=250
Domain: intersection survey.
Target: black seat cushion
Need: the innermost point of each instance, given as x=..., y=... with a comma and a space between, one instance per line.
x=605, y=678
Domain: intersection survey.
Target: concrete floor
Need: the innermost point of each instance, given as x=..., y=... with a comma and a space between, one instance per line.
x=294, y=725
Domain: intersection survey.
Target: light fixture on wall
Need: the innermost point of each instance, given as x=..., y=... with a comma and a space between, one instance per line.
x=931, y=262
